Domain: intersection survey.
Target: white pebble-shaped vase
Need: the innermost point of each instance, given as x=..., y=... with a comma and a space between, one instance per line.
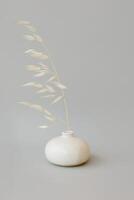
x=67, y=150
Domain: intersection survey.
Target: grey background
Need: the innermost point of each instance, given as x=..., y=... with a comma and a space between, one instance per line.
x=92, y=45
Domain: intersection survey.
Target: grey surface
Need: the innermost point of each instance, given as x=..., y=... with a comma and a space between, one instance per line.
x=92, y=45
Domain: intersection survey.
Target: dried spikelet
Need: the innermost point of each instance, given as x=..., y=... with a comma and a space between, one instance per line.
x=50, y=88
x=27, y=24
x=29, y=50
x=42, y=91
x=57, y=99
x=44, y=56
x=36, y=54
x=30, y=27
x=28, y=84
x=34, y=106
x=47, y=112
x=33, y=68
x=51, y=78
x=43, y=66
x=37, y=107
x=36, y=85
x=23, y=22
x=43, y=126
x=49, y=96
x=38, y=38
x=33, y=37
x=59, y=85
x=49, y=118
x=25, y=103
x=29, y=37
x=40, y=74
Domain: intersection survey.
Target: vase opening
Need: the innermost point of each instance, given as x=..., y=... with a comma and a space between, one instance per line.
x=68, y=133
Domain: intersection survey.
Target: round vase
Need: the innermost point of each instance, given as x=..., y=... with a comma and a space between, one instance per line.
x=67, y=150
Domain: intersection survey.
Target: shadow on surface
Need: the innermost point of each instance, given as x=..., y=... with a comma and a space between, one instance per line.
x=95, y=161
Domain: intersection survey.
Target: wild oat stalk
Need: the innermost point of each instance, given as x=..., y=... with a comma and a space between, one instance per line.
x=53, y=89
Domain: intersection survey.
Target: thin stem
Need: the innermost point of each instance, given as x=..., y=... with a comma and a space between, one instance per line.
x=63, y=93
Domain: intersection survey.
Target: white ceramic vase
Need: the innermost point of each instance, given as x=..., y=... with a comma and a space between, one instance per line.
x=67, y=150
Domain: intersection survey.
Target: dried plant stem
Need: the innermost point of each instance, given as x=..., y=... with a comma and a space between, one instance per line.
x=68, y=126
x=53, y=86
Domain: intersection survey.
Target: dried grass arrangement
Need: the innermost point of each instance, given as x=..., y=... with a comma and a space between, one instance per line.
x=66, y=149
x=43, y=67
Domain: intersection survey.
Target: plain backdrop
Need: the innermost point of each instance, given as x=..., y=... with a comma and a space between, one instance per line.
x=92, y=43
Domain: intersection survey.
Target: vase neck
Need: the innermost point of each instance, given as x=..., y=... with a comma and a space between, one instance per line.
x=68, y=133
